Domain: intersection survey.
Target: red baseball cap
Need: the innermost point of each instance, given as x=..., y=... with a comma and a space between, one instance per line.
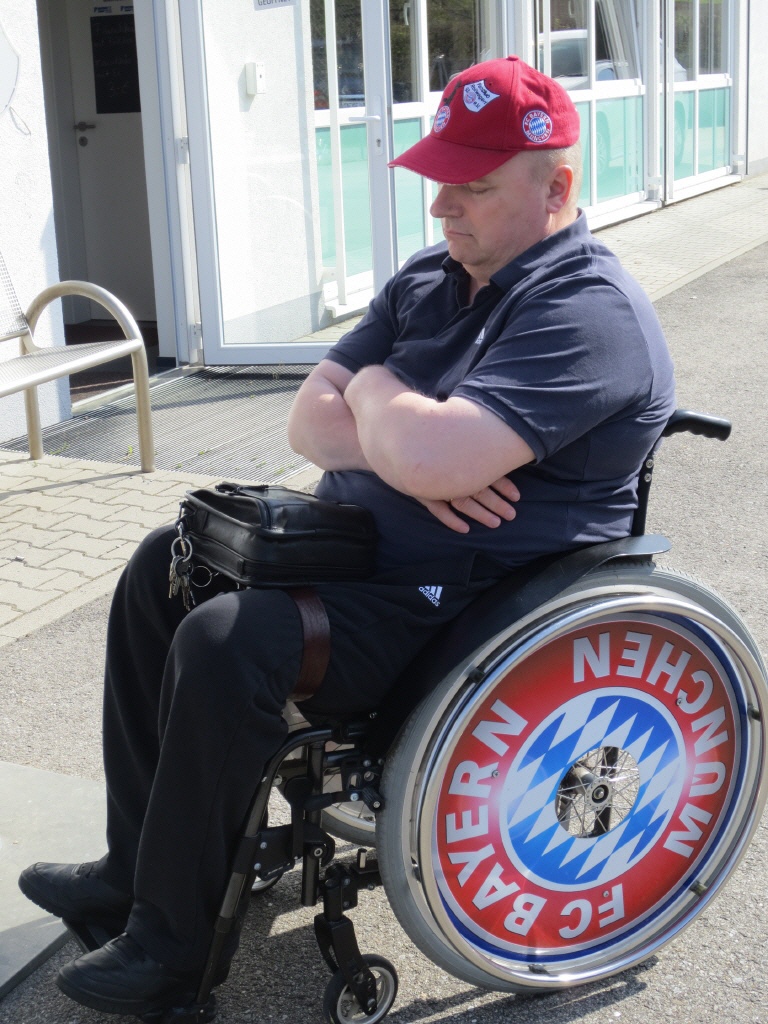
x=487, y=114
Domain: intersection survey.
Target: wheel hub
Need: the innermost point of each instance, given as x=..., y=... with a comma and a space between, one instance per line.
x=597, y=792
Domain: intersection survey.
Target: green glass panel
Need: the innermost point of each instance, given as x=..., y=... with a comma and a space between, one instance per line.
x=683, y=134
x=706, y=131
x=437, y=230
x=355, y=193
x=713, y=129
x=409, y=195
x=723, y=130
x=437, y=227
x=585, y=197
x=357, y=205
x=618, y=147
x=325, y=190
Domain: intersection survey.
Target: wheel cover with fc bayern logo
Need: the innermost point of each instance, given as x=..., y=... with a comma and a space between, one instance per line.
x=586, y=799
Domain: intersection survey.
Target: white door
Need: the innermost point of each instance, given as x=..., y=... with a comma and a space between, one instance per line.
x=110, y=153
x=293, y=111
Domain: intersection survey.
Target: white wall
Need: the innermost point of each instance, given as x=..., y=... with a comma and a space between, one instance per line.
x=264, y=171
x=27, y=238
x=757, y=138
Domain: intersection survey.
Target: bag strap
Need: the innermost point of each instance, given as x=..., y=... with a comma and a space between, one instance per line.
x=317, y=642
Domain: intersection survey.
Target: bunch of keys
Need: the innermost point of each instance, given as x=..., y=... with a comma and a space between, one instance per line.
x=180, y=575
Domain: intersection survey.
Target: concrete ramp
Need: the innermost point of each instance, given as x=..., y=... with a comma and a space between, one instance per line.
x=43, y=816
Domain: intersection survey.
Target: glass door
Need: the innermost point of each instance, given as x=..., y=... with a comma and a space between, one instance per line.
x=392, y=61
x=293, y=111
x=696, y=86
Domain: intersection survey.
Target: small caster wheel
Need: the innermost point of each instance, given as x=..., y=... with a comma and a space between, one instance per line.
x=340, y=1005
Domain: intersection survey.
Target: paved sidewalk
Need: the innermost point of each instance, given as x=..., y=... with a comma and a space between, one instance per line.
x=672, y=247
x=68, y=527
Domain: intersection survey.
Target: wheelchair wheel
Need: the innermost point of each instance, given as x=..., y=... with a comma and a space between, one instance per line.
x=573, y=795
x=340, y=1005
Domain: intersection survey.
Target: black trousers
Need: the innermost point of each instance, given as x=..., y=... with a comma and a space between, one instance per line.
x=193, y=709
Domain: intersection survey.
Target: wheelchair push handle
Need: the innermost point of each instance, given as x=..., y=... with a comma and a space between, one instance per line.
x=682, y=421
x=685, y=422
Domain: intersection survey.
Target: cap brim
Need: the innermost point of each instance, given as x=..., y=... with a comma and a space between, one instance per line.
x=450, y=163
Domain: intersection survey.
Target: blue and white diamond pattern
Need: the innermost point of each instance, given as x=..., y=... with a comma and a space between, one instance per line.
x=535, y=840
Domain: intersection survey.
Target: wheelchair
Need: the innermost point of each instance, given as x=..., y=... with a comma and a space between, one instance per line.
x=557, y=786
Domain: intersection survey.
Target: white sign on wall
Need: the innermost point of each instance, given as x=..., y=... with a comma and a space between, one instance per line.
x=9, y=70
x=270, y=5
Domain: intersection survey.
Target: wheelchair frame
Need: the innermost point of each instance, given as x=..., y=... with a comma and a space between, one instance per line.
x=354, y=751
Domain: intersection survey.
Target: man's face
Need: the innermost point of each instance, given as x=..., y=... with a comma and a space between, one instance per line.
x=489, y=222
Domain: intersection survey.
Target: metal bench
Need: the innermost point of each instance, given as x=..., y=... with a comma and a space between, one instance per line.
x=39, y=364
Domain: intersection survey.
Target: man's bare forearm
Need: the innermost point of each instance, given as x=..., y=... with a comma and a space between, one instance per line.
x=321, y=426
x=429, y=449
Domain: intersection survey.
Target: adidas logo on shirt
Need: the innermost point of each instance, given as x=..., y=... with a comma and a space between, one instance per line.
x=432, y=594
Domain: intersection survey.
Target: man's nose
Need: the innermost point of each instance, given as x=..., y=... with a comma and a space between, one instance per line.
x=445, y=203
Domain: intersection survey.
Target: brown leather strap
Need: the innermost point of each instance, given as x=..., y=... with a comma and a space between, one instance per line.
x=317, y=642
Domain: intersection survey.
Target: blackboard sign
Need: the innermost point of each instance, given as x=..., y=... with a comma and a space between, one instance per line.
x=115, y=65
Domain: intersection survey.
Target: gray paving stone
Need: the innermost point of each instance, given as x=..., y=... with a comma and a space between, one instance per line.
x=43, y=816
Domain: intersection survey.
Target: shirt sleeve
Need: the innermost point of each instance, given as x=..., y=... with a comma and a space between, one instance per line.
x=368, y=343
x=567, y=359
x=373, y=339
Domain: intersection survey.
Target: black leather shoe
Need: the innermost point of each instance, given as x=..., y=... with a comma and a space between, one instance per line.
x=122, y=978
x=76, y=893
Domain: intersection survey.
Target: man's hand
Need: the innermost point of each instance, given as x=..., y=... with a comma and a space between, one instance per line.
x=490, y=506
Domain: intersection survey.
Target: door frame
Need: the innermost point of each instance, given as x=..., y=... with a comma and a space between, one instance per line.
x=68, y=201
x=65, y=173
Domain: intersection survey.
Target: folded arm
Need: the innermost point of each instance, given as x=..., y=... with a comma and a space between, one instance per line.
x=321, y=426
x=451, y=456
x=430, y=449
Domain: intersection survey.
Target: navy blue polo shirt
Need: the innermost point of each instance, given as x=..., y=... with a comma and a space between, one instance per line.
x=565, y=347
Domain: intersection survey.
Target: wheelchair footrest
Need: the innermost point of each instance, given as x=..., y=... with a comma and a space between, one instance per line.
x=195, y=1013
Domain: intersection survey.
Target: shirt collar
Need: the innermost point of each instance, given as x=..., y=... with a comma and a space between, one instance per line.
x=547, y=249
x=520, y=267
x=452, y=267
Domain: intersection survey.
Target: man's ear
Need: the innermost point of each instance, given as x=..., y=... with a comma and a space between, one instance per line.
x=560, y=185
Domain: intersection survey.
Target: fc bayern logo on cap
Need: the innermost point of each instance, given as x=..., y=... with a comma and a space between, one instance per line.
x=441, y=118
x=537, y=126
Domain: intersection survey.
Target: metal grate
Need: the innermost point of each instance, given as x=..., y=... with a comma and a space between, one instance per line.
x=12, y=320
x=220, y=421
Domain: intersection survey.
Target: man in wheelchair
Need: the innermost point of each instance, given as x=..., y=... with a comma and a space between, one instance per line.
x=493, y=406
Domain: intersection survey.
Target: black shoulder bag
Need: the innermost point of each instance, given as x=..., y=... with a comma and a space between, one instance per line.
x=264, y=535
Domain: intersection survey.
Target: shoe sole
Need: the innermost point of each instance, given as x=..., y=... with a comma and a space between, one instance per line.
x=136, y=1007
